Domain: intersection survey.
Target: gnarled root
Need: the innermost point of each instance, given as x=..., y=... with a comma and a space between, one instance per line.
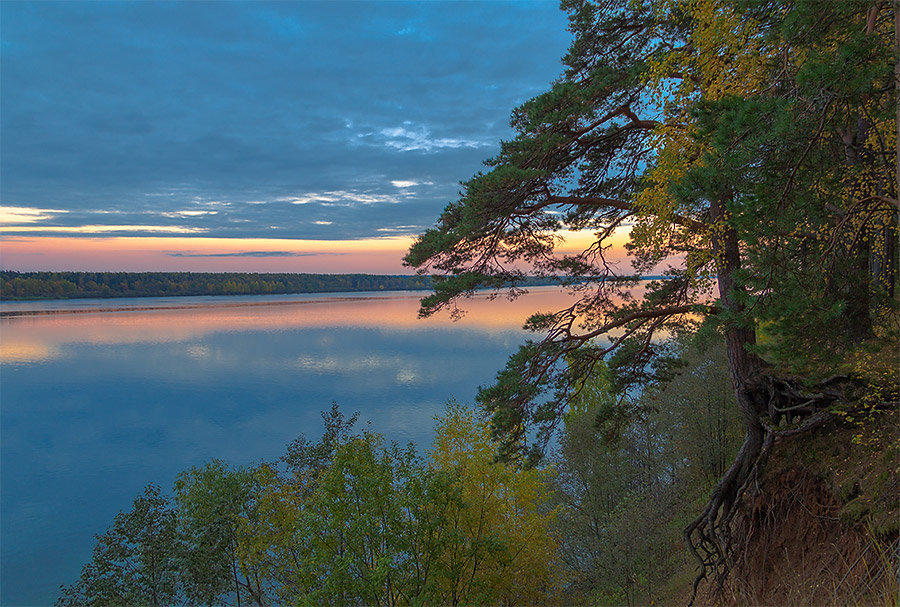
x=708, y=536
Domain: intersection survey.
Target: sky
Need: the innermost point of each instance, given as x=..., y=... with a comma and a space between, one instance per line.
x=233, y=136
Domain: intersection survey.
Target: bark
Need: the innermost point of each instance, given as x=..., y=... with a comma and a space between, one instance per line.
x=744, y=366
x=707, y=535
x=854, y=283
x=892, y=235
x=897, y=86
x=622, y=205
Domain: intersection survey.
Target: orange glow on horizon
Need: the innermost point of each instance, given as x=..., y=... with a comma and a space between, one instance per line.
x=207, y=254
x=201, y=254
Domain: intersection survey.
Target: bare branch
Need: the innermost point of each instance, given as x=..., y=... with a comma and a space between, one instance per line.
x=637, y=122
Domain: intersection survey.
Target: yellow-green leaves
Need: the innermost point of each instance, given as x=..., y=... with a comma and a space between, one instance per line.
x=379, y=525
x=723, y=54
x=500, y=547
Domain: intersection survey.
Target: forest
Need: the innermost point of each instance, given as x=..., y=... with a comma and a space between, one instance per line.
x=75, y=285
x=71, y=285
x=730, y=437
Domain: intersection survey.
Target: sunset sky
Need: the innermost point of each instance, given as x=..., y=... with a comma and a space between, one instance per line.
x=308, y=137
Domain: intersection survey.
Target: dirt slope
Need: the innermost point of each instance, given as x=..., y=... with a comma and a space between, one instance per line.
x=820, y=527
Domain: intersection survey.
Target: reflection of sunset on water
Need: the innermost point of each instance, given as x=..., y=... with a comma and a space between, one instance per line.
x=40, y=337
x=15, y=350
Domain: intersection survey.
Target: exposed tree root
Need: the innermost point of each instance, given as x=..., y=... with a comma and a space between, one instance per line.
x=775, y=400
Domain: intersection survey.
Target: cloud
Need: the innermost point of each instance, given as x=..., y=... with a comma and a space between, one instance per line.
x=153, y=111
x=408, y=139
x=183, y=214
x=400, y=183
x=19, y=215
x=107, y=229
x=339, y=196
x=406, y=376
x=253, y=254
x=401, y=230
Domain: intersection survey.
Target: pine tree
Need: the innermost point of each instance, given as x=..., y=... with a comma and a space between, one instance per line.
x=746, y=144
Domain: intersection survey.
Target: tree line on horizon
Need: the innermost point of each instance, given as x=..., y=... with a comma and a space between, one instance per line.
x=77, y=285
x=70, y=285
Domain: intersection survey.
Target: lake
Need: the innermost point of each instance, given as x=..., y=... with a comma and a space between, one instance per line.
x=100, y=397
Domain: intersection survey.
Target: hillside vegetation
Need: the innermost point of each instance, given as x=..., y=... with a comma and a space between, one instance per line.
x=750, y=147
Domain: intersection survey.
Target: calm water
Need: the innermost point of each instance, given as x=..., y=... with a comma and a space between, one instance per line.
x=99, y=397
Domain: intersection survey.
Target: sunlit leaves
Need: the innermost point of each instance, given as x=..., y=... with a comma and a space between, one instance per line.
x=748, y=144
x=349, y=520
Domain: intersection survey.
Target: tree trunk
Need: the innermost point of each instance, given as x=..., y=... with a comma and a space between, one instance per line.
x=855, y=281
x=893, y=228
x=897, y=88
x=743, y=365
x=708, y=533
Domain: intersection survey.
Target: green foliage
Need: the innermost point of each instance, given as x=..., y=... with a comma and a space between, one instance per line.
x=807, y=157
x=596, y=407
x=749, y=145
x=624, y=494
x=135, y=562
x=497, y=544
x=747, y=141
x=345, y=520
x=210, y=501
x=380, y=525
x=305, y=457
x=355, y=529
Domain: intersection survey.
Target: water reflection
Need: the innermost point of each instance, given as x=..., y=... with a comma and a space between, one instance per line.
x=24, y=349
x=97, y=404
x=39, y=333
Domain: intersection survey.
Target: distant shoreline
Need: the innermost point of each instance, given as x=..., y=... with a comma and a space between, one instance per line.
x=46, y=286
x=37, y=286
